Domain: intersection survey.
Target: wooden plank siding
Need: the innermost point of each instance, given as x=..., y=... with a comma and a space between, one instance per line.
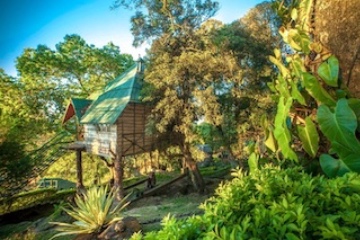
x=131, y=125
x=98, y=141
x=128, y=132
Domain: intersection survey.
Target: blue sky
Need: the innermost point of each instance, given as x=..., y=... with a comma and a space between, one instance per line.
x=27, y=23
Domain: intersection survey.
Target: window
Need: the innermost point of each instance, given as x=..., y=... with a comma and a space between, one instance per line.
x=103, y=127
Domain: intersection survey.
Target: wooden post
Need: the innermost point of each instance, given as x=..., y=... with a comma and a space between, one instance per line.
x=79, y=183
x=119, y=163
x=119, y=176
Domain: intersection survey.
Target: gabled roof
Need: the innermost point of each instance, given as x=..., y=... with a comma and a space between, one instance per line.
x=117, y=94
x=77, y=106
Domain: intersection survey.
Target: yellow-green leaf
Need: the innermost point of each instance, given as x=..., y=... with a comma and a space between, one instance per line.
x=271, y=142
x=309, y=137
x=329, y=71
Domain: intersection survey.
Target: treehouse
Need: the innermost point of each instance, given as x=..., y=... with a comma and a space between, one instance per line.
x=116, y=118
x=113, y=124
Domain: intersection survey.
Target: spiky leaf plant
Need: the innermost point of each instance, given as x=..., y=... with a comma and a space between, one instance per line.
x=92, y=212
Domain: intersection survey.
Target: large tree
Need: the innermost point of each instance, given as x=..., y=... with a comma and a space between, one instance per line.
x=17, y=124
x=32, y=104
x=73, y=69
x=182, y=71
x=245, y=98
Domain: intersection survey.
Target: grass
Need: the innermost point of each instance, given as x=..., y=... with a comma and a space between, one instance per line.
x=33, y=198
x=152, y=210
x=149, y=211
x=29, y=231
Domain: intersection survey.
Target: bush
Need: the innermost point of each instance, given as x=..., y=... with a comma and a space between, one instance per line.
x=273, y=203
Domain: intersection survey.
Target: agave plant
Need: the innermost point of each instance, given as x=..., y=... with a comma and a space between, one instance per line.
x=92, y=212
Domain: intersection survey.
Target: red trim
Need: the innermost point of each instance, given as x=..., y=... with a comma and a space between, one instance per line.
x=70, y=112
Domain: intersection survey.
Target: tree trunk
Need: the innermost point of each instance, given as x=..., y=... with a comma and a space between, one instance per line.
x=195, y=175
x=336, y=25
x=119, y=176
x=79, y=182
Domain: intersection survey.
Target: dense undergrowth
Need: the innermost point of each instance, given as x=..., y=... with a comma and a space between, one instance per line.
x=274, y=203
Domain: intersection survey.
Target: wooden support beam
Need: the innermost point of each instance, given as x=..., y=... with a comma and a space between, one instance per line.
x=79, y=183
x=136, y=184
x=156, y=189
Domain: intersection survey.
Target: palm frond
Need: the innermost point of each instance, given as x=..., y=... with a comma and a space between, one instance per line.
x=91, y=212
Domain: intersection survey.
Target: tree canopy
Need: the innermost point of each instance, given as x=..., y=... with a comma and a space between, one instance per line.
x=32, y=104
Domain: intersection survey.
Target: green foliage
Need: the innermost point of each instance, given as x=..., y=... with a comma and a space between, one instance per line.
x=309, y=137
x=309, y=77
x=159, y=18
x=94, y=170
x=215, y=171
x=18, y=126
x=13, y=160
x=73, y=69
x=243, y=96
x=31, y=104
x=314, y=88
x=329, y=71
x=273, y=203
x=281, y=131
x=339, y=127
x=32, y=198
x=253, y=162
x=92, y=212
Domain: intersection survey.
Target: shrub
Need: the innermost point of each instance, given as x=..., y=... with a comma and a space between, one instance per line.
x=92, y=212
x=273, y=203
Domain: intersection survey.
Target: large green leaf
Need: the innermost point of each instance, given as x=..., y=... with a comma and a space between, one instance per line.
x=271, y=142
x=314, y=88
x=332, y=167
x=354, y=104
x=281, y=132
x=339, y=127
x=350, y=155
x=253, y=162
x=309, y=137
x=297, y=65
x=296, y=94
x=282, y=87
x=300, y=39
x=329, y=71
x=296, y=38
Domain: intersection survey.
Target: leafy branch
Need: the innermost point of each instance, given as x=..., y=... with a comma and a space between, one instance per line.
x=309, y=89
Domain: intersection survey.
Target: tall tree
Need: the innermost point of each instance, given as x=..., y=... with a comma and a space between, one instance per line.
x=181, y=71
x=245, y=98
x=73, y=69
x=47, y=78
x=17, y=126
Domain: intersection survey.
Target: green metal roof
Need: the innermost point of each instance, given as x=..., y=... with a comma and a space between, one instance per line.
x=80, y=106
x=76, y=107
x=117, y=94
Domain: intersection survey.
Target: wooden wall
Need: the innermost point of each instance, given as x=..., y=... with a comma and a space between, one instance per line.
x=100, y=139
x=128, y=133
x=131, y=134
